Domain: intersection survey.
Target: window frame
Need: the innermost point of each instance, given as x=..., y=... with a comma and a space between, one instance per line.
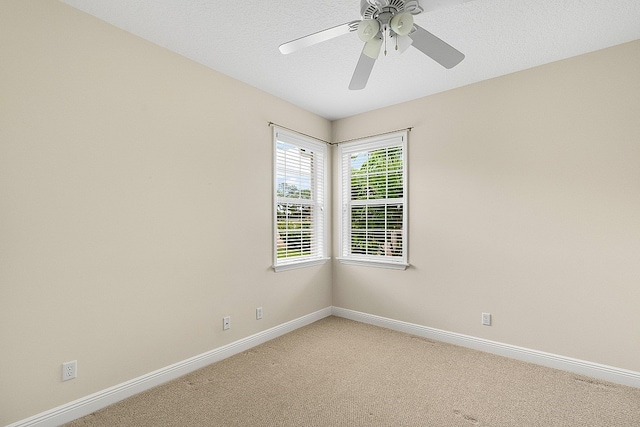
x=367, y=145
x=319, y=200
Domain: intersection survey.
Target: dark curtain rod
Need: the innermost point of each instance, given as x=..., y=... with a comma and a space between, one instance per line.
x=340, y=142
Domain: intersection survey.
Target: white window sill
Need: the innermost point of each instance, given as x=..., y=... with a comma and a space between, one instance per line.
x=394, y=265
x=300, y=264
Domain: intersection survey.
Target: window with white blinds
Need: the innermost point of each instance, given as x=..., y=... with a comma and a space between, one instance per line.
x=374, y=201
x=299, y=200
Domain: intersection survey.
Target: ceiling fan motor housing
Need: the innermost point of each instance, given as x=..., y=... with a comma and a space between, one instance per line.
x=386, y=9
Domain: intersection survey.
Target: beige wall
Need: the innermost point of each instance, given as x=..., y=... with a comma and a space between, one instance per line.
x=135, y=208
x=524, y=196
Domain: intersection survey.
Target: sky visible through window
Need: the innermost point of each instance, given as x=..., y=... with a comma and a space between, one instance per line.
x=298, y=170
x=358, y=159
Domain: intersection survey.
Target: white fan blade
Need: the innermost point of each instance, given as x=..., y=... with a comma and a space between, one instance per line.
x=441, y=52
x=362, y=72
x=429, y=5
x=318, y=37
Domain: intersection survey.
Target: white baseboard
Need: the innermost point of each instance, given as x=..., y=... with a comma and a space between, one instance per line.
x=86, y=405
x=577, y=366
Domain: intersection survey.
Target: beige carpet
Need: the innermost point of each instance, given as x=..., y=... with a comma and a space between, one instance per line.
x=338, y=372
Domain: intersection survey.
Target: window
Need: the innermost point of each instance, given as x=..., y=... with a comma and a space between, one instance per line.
x=374, y=202
x=299, y=201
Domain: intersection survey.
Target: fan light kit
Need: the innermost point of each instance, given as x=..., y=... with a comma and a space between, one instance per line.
x=386, y=22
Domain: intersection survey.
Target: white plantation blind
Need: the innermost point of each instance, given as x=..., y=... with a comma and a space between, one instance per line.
x=374, y=200
x=299, y=199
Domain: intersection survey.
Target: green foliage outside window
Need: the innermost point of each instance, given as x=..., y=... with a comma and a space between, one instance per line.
x=294, y=221
x=377, y=219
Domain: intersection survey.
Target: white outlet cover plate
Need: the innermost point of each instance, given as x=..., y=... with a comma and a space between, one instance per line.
x=486, y=319
x=69, y=370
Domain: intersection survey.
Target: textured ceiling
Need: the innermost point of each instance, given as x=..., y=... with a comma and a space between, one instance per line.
x=241, y=39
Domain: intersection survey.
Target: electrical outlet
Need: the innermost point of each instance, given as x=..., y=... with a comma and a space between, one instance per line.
x=69, y=370
x=258, y=313
x=486, y=319
x=226, y=323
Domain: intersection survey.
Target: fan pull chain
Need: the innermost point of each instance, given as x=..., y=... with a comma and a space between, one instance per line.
x=384, y=35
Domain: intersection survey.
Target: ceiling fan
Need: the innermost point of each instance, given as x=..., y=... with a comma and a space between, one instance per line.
x=386, y=22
